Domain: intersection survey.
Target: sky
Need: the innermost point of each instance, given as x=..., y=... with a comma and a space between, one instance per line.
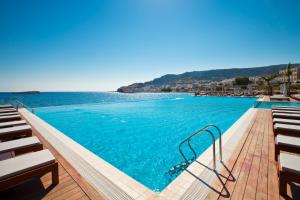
x=72, y=45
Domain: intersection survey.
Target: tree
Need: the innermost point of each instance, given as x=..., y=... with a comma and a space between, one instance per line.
x=166, y=89
x=288, y=74
x=242, y=80
x=268, y=80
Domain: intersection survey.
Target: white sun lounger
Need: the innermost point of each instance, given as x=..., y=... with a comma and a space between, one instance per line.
x=22, y=145
x=9, y=118
x=289, y=162
x=8, y=114
x=12, y=123
x=286, y=115
x=289, y=170
x=286, y=111
x=15, y=131
x=287, y=129
x=6, y=106
x=288, y=141
x=25, y=167
x=7, y=111
x=279, y=98
x=285, y=108
x=286, y=121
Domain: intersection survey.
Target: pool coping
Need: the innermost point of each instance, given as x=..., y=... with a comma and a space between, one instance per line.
x=115, y=184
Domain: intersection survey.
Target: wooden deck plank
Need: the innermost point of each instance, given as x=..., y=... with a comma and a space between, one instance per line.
x=241, y=183
x=229, y=186
x=252, y=180
x=262, y=189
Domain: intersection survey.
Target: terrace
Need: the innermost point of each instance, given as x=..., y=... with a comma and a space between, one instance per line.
x=248, y=172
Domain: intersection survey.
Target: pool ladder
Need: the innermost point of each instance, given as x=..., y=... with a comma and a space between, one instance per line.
x=183, y=165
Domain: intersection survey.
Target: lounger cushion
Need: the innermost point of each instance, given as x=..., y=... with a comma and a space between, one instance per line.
x=286, y=107
x=287, y=127
x=26, y=162
x=290, y=141
x=286, y=111
x=18, y=144
x=8, y=114
x=12, y=123
x=286, y=121
x=6, y=106
x=14, y=129
x=7, y=111
x=9, y=118
x=287, y=116
x=289, y=162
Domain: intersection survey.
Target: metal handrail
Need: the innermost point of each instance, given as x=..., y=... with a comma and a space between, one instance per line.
x=204, y=129
x=220, y=139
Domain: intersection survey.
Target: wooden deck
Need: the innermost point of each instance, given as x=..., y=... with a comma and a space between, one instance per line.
x=71, y=184
x=253, y=170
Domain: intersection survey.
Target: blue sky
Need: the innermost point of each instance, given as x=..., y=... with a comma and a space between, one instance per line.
x=101, y=45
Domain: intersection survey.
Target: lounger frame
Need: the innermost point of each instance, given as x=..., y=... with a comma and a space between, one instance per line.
x=284, y=178
x=279, y=148
x=37, y=172
x=27, y=149
x=10, y=136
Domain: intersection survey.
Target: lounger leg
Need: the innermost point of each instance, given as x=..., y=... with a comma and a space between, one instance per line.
x=55, y=177
x=282, y=185
x=276, y=152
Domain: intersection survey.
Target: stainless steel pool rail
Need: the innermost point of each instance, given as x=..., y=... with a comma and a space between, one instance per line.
x=202, y=130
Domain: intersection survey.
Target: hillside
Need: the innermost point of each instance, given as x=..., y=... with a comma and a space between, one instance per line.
x=198, y=77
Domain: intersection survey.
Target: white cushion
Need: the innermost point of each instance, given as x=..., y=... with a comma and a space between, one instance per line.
x=12, y=123
x=288, y=141
x=8, y=114
x=289, y=162
x=15, y=129
x=18, y=144
x=23, y=163
x=286, y=121
x=10, y=117
x=287, y=127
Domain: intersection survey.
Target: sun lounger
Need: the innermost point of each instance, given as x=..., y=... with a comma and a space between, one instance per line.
x=279, y=98
x=286, y=115
x=12, y=108
x=286, y=143
x=9, y=118
x=8, y=114
x=16, y=131
x=286, y=111
x=12, y=123
x=22, y=168
x=6, y=106
x=7, y=111
x=286, y=121
x=287, y=129
x=20, y=146
x=289, y=170
x=285, y=108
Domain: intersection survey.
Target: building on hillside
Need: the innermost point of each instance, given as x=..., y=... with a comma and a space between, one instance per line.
x=295, y=76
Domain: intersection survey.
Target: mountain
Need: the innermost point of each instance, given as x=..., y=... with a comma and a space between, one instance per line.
x=198, y=77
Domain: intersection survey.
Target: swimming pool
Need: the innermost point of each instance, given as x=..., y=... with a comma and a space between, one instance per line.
x=141, y=136
x=269, y=104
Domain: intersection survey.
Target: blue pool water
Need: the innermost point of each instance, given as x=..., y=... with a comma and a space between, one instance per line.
x=269, y=104
x=137, y=133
